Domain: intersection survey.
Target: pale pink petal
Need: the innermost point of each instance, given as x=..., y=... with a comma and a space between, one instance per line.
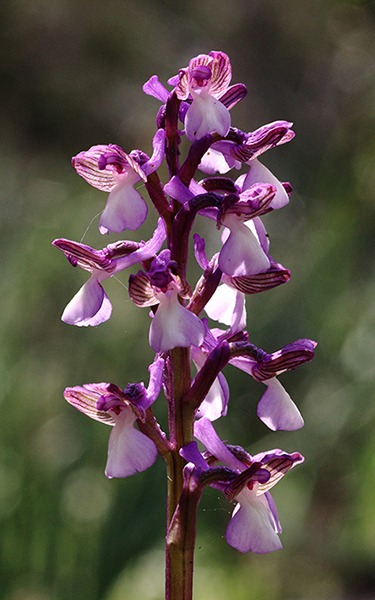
x=252, y=527
x=276, y=408
x=216, y=402
x=129, y=450
x=125, y=208
x=173, y=325
x=214, y=161
x=206, y=115
x=241, y=254
x=258, y=173
x=227, y=306
x=90, y=306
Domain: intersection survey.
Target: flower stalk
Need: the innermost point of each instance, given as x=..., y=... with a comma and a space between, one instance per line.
x=181, y=335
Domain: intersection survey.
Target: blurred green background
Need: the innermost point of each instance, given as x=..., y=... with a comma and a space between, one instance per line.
x=71, y=74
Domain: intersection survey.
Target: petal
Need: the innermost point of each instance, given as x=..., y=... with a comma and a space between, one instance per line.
x=221, y=72
x=288, y=358
x=213, y=161
x=154, y=88
x=176, y=189
x=204, y=432
x=79, y=254
x=144, y=252
x=86, y=165
x=156, y=381
x=174, y=326
x=268, y=136
x=276, y=408
x=200, y=251
x=253, y=284
x=252, y=527
x=90, y=306
x=258, y=173
x=233, y=95
x=220, y=68
x=241, y=254
x=227, y=306
x=206, y=115
x=277, y=463
x=125, y=209
x=158, y=144
x=85, y=398
x=129, y=450
x=191, y=454
x=216, y=402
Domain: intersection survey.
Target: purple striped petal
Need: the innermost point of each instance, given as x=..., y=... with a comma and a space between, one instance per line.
x=233, y=95
x=85, y=398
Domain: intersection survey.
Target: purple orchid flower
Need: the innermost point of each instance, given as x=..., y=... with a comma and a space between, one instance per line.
x=203, y=87
x=222, y=156
x=254, y=526
x=276, y=408
x=206, y=80
x=245, y=248
x=172, y=325
x=91, y=306
x=129, y=450
x=109, y=168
